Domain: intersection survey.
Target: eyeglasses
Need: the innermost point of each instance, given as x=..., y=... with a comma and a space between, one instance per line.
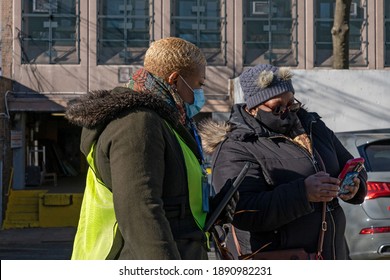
x=282, y=111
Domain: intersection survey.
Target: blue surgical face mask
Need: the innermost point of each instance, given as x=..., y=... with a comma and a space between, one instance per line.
x=199, y=100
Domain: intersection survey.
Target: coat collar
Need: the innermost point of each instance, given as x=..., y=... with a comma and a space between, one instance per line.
x=98, y=108
x=243, y=127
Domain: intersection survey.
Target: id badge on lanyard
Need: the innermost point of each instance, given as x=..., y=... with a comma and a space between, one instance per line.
x=205, y=179
x=205, y=192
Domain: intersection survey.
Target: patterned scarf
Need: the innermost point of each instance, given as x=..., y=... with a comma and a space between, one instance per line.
x=144, y=82
x=304, y=141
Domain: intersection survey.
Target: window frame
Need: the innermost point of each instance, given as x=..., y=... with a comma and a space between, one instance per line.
x=125, y=55
x=27, y=36
x=353, y=53
x=270, y=55
x=212, y=57
x=386, y=31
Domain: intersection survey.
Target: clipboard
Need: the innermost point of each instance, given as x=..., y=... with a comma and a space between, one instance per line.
x=221, y=206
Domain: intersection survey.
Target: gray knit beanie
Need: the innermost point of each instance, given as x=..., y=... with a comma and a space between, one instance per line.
x=263, y=82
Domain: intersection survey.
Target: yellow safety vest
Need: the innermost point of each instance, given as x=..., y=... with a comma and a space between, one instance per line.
x=98, y=226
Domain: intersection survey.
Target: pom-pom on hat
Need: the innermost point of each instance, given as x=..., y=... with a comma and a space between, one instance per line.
x=263, y=82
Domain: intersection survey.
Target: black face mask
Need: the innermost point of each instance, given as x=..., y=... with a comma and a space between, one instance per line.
x=276, y=123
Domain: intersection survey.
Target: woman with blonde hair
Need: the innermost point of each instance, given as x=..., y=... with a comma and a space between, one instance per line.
x=143, y=198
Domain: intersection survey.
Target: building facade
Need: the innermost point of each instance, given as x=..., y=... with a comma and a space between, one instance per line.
x=56, y=50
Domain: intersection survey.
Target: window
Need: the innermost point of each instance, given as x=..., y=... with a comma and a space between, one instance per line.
x=50, y=32
x=378, y=155
x=203, y=23
x=124, y=31
x=270, y=32
x=387, y=32
x=358, y=44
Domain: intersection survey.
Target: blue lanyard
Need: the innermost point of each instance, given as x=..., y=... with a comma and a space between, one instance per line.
x=205, y=182
x=197, y=139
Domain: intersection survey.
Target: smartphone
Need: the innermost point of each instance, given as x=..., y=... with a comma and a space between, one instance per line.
x=350, y=171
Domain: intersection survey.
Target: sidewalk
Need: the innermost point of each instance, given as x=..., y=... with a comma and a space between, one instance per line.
x=37, y=243
x=41, y=244
x=37, y=235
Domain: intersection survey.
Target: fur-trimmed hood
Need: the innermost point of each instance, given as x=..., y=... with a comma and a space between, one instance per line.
x=241, y=127
x=98, y=108
x=212, y=133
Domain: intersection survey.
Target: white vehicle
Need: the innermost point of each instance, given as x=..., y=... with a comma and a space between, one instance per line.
x=368, y=224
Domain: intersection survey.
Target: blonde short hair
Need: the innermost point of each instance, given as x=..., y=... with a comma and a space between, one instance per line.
x=171, y=54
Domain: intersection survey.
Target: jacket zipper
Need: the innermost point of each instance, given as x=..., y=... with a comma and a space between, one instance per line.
x=312, y=146
x=317, y=169
x=332, y=234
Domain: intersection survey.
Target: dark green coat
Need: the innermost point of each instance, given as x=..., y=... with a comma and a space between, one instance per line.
x=141, y=161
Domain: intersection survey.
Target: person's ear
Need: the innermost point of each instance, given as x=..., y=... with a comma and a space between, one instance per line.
x=172, y=79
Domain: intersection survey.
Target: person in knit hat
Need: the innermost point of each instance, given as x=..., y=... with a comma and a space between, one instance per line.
x=263, y=82
x=295, y=161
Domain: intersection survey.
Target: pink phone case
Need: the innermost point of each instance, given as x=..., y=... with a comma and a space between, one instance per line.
x=350, y=171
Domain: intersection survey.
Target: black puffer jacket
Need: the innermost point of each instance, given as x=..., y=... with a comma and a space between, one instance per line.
x=273, y=205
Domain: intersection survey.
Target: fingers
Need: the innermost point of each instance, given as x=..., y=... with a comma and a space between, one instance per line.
x=230, y=209
x=356, y=181
x=349, y=195
x=321, y=173
x=353, y=189
x=321, y=187
x=321, y=195
x=327, y=180
x=329, y=192
x=233, y=203
x=236, y=196
x=229, y=213
x=324, y=180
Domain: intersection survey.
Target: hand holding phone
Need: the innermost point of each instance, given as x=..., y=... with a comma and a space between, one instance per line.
x=349, y=173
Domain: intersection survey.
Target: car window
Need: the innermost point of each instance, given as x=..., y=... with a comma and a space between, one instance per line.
x=378, y=155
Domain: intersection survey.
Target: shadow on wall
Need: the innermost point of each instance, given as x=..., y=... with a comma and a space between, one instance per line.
x=347, y=100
